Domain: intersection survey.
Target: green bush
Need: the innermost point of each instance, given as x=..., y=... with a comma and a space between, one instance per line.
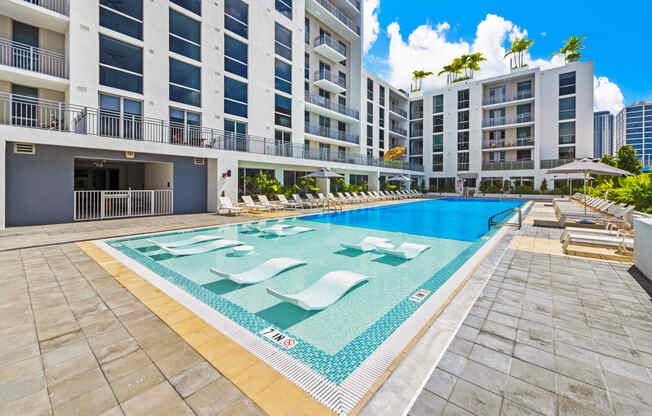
x=523, y=190
x=544, y=185
x=631, y=190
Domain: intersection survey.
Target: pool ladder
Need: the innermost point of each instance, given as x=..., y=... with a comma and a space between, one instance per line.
x=493, y=222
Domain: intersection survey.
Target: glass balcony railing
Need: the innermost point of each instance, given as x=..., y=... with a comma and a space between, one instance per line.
x=340, y=15
x=332, y=133
x=508, y=165
x=500, y=99
x=328, y=76
x=398, y=130
x=398, y=110
x=59, y=6
x=503, y=121
x=497, y=144
x=553, y=163
x=331, y=43
x=332, y=105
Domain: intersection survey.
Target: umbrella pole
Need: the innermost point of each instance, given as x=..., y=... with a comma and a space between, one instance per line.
x=585, y=193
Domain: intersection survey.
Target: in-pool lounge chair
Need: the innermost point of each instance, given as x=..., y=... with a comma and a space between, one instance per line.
x=215, y=245
x=367, y=244
x=624, y=244
x=187, y=241
x=262, y=226
x=282, y=232
x=324, y=292
x=262, y=272
x=406, y=251
x=229, y=207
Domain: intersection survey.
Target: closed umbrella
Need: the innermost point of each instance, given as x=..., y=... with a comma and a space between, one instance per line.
x=324, y=173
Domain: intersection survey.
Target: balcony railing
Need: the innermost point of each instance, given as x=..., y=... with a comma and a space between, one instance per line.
x=332, y=105
x=416, y=115
x=355, y=3
x=495, y=144
x=553, y=163
x=332, y=133
x=328, y=76
x=398, y=110
x=33, y=113
x=398, y=130
x=503, y=121
x=508, y=165
x=331, y=43
x=30, y=58
x=340, y=15
x=499, y=99
x=59, y=6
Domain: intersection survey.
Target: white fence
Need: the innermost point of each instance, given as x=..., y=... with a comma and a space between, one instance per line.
x=98, y=205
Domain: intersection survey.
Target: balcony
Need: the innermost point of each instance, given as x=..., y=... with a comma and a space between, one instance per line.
x=398, y=130
x=553, y=163
x=508, y=143
x=59, y=6
x=329, y=48
x=329, y=82
x=508, y=165
x=398, y=110
x=334, y=18
x=504, y=99
x=416, y=115
x=508, y=121
x=330, y=108
x=332, y=135
x=46, y=14
x=21, y=58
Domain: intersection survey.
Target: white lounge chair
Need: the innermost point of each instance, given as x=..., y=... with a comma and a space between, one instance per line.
x=287, y=204
x=324, y=292
x=188, y=241
x=215, y=245
x=622, y=243
x=367, y=244
x=594, y=231
x=405, y=251
x=262, y=272
x=226, y=204
x=267, y=203
x=249, y=203
x=262, y=226
x=286, y=231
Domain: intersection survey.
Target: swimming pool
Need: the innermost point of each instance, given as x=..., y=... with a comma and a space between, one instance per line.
x=333, y=342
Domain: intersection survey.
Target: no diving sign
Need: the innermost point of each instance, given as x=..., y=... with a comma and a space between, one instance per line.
x=420, y=295
x=278, y=337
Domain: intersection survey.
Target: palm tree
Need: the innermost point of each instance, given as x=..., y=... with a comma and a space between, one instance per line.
x=448, y=71
x=418, y=77
x=472, y=62
x=518, y=49
x=571, y=49
x=456, y=68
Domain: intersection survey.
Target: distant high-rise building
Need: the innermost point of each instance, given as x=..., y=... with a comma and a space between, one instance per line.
x=603, y=133
x=633, y=127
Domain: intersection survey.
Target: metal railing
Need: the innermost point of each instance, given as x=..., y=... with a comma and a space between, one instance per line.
x=97, y=205
x=496, y=144
x=398, y=110
x=332, y=105
x=340, y=15
x=332, y=133
x=328, y=76
x=398, y=130
x=59, y=6
x=553, y=163
x=503, y=218
x=331, y=43
x=31, y=58
x=508, y=165
x=503, y=121
x=522, y=95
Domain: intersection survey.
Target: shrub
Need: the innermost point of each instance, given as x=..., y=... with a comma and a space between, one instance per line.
x=544, y=185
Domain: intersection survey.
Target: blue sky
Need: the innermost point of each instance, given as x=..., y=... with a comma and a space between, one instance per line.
x=615, y=35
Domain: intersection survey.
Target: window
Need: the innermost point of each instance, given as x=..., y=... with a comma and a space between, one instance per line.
x=235, y=97
x=342, y=47
x=235, y=56
x=438, y=162
x=325, y=151
x=235, y=136
x=567, y=108
x=192, y=5
x=524, y=154
x=283, y=74
x=120, y=117
x=416, y=128
x=381, y=117
x=567, y=83
x=125, y=17
x=285, y=8
x=567, y=153
x=523, y=113
x=381, y=139
x=437, y=142
x=416, y=147
x=185, y=83
x=370, y=112
x=307, y=30
x=381, y=95
x=438, y=123
x=184, y=123
x=463, y=100
x=121, y=65
x=283, y=144
x=341, y=76
x=524, y=90
x=185, y=35
x=307, y=68
x=283, y=42
x=463, y=161
x=416, y=109
x=567, y=133
x=438, y=104
x=282, y=111
x=370, y=135
x=236, y=17
x=463, y=120
x=523, y=132
x=341, y=152
x=463, y=140
x=370, y=89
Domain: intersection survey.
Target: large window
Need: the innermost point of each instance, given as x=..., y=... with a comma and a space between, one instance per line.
x=567, y=108
x=185, y=126
x=438, y=104
x=370, y=135
x=463, y=161
x=463, y=120
x=438, y=162
x=567, y=133
x=185, y=83
x=235, y=97
x=120, y=117
x=370, y=89
x=283, y=42
x=283, y=76
x=123, y=16
x=192, y=5
x=236, y=17
x=121, y=65
x=185, y=35
x=370, y=112
x=381, y=117
x=381, y=95
x=416, y=147
x=567, y=83
x=285, y=8
x=524, y=89
x=437, y=142
x=463, y=140
x=438, y=123
x=567, y=153
x=463, y=99
x=282, y=111
x=235, y=56
x=523, y=113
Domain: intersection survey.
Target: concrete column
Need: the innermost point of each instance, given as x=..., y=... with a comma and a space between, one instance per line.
x=324, y=185
x=211, y=185
x=278, y=174
x=347, y=178
x=227, y=186
x=374, y=181
x=3, y=157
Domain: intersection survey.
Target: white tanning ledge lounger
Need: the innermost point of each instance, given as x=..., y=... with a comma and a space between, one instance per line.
x=405, y=251
x=324, y=292
x=261, y=227
x=215, y=245
x=262, y=272
x=367, y=244
x=287, y=231
x=188, y=241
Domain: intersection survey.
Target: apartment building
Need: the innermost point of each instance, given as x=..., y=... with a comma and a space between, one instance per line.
x=633, y=127
x=603, y=133
x=112, y=108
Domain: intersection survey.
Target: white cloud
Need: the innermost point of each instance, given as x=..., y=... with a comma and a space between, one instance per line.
x=607, y=95
x=371, y=24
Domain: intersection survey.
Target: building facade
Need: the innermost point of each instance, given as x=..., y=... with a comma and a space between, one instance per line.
x=603, y=133
x=634, y=128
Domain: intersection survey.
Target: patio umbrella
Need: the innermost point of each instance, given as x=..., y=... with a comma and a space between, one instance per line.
x=323, y=173
x=588, y=167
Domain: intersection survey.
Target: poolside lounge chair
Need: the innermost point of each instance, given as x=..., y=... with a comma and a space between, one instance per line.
x=324, y=292
x=622, y=243
x=215, y=245
x=304, y=203
x=354, y=199
x=227, y=205
x=287, y=204
x=332, y=198
x=262, y=272
x=188, y=241
x=345, y=199
x=267, y=203
x=249, y=203
x=367, y=244
x=282, y=232
x=594, y=231
x=406, y=251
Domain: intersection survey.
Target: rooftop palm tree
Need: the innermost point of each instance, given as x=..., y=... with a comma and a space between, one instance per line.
x=418, y=77
x=456, y=68
x=571, y=49
x=518, y=49
x=448, y=71
x=472, y=62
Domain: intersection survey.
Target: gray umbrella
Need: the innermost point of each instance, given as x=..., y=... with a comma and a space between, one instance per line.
x=400, y=178
x=324, y=173
x=588, y=167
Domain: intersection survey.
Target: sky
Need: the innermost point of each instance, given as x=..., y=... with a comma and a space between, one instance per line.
x=405, y=35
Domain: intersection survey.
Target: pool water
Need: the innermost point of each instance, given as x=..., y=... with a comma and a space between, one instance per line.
x=335, y=340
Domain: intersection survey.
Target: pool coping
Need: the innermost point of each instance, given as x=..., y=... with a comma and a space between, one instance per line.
x=352, y=394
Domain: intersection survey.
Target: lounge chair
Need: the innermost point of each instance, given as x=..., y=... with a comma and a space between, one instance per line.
x=267, y=203
x=215, y=245
x=324, y=292
x=332, y=198
x=406, y=251
x=345, y=199
x=261, y=226
x=304, y=203
x=367, y=244
x=188, y=241
x=594, y=231
x=262, y=272
x=353, y=198
x=622, y=243
x=226, y=204
x=249, y=203
x=282, y=232
x=287, y=204
x=316, y=201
